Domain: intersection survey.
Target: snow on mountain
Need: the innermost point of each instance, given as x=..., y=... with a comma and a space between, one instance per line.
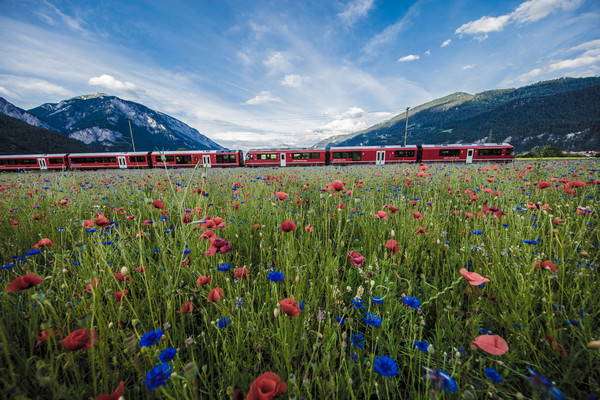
x=95, y=135
x=102, y=119
x=11, y=110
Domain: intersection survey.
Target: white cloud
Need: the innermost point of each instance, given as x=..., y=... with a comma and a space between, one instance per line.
x=110, y=82
x=292, y=80
x=529, y=11
x=390, y=33
x=484, y=25
x=263, y=97
x=468, y=66
x=18, y=83
x=278, y=62
x=589, y=59
x=446, y=43
x=410, y=57
x=427, y=53
x=4, y=91
x=355, y=10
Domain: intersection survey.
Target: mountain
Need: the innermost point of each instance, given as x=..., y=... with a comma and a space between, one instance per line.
x=562, y=113
x=100, y=120
x=19, y=137
x=11, y=110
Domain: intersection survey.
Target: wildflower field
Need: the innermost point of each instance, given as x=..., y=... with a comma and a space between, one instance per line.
x=374, y=282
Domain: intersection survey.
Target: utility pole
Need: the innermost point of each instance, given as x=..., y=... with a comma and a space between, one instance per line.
x=489, y=140
x=406, y=127
x=130, y=131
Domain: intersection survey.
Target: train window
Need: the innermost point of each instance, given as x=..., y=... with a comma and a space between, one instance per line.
x=266, y=156
x=183, y=159
x=354, y=155
x=55, y=161
x=306, y=156
x=508, y=152
x=137, y=159
x=489, y=152
x=225, y=158
x=449, y=152
x=404, y=153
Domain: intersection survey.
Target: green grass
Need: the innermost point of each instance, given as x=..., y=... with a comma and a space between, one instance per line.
x=313, y=352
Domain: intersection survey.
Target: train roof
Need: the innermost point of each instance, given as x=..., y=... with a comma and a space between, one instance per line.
x=112, y=154
x=410, y=146
x=192, y=151
x=297, y=149
x=466, y=145
x=33, y=155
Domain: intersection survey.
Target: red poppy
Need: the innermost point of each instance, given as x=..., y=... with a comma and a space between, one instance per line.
x=257, y=226
x=308, y=228
x=381, y=214
x=141, y=268
x=492, y=344
x=546, y=265
x=241, y=273
x=102, y=221
x=24, y=282
x=281, y=196
x=287, y=226
x=417, y=215
x=119, y=295
x=81, y=339
x=215, y=295
x=45, y=335
x=544, y=185
x=186, y=219
x=185, y=262
x=290, y=307
x=573, y=184
x=158, y=204
x=88, y=223
x=356, y=258
x=473, y=278
x=266, y=387
x=45, y=242
x=203, y=280
x=220, y=245
x=187, y=308
x=123, y=278
x=116, y=395
x=390, y=207
x=421, y=230
x=558, y=221
x=392, y=245
x=210, y=235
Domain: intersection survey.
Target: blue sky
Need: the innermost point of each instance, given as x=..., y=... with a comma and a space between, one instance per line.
x=256, y=74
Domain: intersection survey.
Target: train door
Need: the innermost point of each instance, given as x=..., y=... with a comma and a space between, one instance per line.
x=470, y=156
x=122, y=162
x=282, y=158
x=206, y=160
x=42, y=163
x=380, y=160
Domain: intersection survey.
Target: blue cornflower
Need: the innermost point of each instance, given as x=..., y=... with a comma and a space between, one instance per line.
x=151, y=338
x=167, y=354
x=441, y=380
x=275, y=276
x=372, y=319
x=534, y=242
x=377, y=300
x=224, y=267
x=239, y=303
x=385, y=366
x=32, y=252
x=539, y=382
x=484, y=332
x=157, y=376
x=422, y=345
x=493, y=375
x=224, y=322
x=477, y=233
x=340, y=320
x=573, y=323
x=357, y=340
x=357, y=304
x=411, y=301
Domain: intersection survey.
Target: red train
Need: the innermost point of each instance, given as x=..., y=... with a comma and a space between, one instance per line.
x=378, y=155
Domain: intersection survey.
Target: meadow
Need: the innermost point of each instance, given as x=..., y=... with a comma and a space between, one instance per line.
x=374, y=282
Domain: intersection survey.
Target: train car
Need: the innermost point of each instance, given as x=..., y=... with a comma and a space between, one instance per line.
x=109, y=160
x=34, y=162
x=378, y=155
x=466, y=153
x=189, y=158
x=286, y=157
